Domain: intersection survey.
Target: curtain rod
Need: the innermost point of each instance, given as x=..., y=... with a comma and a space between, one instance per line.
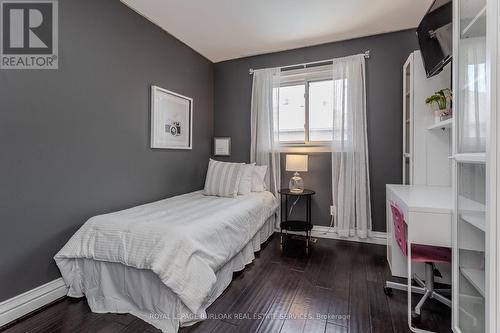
x=304, y=65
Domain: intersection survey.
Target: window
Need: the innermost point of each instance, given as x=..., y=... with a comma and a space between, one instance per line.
x=292, y=110
x=306, y=108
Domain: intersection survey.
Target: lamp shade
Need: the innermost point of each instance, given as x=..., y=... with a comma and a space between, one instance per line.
x=296, y=163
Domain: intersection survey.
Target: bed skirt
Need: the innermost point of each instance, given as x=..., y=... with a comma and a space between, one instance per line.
x=116, y=288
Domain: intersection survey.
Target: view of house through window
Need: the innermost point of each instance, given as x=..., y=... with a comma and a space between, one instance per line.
x=306, y=112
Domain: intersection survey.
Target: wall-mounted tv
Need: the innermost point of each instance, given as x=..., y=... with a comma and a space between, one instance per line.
x=435, y=36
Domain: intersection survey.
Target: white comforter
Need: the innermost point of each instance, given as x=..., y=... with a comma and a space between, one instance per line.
x=184, y=240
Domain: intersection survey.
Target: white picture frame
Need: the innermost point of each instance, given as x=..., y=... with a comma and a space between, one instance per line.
x=171, y=120
x=222, y=146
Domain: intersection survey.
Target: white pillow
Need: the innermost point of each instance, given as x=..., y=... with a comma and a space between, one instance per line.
x=245, y=186
x=223, y=179
x=258, y=182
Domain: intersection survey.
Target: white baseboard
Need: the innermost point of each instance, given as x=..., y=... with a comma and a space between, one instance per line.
x=27, y=302
x=374, y=237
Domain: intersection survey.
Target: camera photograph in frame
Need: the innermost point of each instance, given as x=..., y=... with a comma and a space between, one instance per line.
x=171, y=119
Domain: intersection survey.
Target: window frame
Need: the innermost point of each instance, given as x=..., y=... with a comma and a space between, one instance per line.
x=305, y=77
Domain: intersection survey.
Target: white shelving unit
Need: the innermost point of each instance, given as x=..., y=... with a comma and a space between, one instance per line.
x=425, y=150
x=475, y=183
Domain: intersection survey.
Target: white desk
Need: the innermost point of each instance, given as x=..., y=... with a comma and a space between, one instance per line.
x=428, y=215
x=423, y=198
x=427, y=212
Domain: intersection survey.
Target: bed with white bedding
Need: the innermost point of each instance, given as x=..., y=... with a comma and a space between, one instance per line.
x=166, y=261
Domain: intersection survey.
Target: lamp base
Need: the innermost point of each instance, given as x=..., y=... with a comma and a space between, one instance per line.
x=296, y=184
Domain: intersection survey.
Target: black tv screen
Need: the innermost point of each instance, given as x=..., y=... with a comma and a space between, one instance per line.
x=435, y=36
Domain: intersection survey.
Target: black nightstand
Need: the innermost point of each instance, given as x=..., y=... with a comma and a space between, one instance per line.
x=296, y=225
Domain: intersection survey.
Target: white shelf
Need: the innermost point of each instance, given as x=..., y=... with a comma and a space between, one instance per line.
x=470, y=238
x=466, y=205
x=472, y=212
x=474, y=28
x=476, y=278
x=471, y=158
x=477, y=219
x=441, y=125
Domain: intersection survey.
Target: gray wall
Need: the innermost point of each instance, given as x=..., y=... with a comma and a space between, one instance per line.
x=318, y=178
x=75, y=141
x=233, y=86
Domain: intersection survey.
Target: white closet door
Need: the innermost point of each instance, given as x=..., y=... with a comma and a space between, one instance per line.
x=471, y=226
x=471, y=268
x=408, y=121
x=471, y=89
x=472, y=109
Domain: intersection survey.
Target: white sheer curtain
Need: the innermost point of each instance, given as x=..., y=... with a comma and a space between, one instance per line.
x=264, y=147
x=350, y=179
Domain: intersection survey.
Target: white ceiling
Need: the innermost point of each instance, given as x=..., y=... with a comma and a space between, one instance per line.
x=228, y=29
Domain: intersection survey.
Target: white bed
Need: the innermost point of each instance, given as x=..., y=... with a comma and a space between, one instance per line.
x=167, y=261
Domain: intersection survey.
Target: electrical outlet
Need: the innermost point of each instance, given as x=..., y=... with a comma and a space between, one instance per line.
x=332, y=210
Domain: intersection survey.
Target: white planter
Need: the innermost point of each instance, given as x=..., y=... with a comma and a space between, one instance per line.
x=437, y=116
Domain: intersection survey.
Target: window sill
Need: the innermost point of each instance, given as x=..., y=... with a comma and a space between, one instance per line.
x=301, y=148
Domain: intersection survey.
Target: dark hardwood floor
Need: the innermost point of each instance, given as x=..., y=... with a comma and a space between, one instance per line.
x=338, y=288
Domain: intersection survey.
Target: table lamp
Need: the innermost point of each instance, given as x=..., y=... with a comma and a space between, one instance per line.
x=296, y=163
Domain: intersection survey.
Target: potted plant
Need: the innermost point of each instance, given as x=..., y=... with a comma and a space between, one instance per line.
x=441, y=99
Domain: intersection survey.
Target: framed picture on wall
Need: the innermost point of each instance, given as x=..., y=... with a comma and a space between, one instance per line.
x=171, y=120
x=222, y=146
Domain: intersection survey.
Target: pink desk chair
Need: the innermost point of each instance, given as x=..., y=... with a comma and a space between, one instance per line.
x=419, y=253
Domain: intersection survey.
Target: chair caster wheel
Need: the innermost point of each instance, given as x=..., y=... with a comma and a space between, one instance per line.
x=415, y=317
x=388, y=291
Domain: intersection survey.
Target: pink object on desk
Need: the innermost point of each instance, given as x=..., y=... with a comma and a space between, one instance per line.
x=419, y=253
